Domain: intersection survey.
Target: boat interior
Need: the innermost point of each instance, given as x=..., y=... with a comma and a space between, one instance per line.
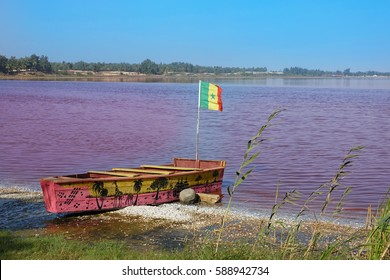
x=143, y=171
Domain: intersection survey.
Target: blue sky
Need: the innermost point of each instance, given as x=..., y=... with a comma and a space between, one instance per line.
x=327, y=35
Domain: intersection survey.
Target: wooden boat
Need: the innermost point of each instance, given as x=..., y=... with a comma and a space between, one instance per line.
x=121, y=187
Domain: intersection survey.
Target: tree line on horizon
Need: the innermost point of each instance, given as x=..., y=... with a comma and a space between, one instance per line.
x=32, y=63
x=35, y=63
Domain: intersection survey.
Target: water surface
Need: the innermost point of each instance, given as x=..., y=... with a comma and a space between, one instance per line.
x=51, y=128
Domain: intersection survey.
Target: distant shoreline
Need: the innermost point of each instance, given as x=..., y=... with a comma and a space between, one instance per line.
x=84, y=76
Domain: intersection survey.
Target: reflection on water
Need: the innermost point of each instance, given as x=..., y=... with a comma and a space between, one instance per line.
x=134, y=231
x=22, y=209
x=50, y=128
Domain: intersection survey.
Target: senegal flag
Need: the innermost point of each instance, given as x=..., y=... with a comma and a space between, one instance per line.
x=210, y=96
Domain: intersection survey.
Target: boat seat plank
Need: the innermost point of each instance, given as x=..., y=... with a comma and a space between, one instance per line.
x=160, y=172
x=67, y=178
x=113, y=173
x=166, y=167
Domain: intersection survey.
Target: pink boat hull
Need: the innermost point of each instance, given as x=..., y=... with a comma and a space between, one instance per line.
x=79, y=199
x=116, y=189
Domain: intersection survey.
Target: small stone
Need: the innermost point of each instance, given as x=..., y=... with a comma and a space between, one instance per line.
x=209, y=198
x=188, y=196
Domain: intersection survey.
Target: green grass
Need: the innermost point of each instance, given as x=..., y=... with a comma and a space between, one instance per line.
x=14, y=246
x=57, y=247
x=270, y=240
x=377, y=244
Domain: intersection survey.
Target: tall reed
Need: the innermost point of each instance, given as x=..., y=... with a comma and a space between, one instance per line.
x=377, y=244
x=289, y=244
x=243, y=172
x=330, y=187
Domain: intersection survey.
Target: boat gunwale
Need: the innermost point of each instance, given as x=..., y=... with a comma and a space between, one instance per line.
x=72, y=179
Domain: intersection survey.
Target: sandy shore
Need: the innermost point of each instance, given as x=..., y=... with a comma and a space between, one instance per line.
x=200, y=218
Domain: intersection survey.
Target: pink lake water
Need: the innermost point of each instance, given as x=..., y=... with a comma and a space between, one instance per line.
x=53, y=128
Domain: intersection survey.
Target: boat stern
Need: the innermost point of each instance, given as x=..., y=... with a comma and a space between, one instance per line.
x=49, y=195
